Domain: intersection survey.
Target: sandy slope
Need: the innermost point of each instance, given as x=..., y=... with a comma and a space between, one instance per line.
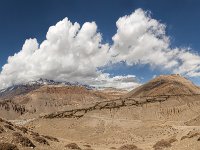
x=111, y=129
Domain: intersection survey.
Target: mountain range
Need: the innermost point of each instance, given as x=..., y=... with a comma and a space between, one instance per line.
x=25, y=88
x=160, y=114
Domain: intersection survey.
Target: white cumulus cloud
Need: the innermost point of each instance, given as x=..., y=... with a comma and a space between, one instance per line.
x=123, y=82
x=142, y=40
x=72, y=52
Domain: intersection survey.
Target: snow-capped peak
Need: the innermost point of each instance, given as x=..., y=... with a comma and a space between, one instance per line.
x=32, y=85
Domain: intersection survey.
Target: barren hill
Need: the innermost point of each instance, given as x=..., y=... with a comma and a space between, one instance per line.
x=165, y=85
x=162, y=114
x=170, y=97
x=157, y=110
x=49, y=98
x=24, y=88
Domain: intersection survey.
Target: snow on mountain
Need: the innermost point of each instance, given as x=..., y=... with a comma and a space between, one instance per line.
x=33, y=85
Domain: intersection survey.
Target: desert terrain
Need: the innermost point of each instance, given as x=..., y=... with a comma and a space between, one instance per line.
x=163, y=114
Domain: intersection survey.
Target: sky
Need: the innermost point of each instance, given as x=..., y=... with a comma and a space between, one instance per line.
x=119, y=43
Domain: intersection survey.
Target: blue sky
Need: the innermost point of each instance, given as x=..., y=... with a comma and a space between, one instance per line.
x=24, y=19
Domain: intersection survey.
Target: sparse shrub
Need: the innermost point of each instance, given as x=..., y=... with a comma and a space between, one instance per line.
x=24, y=141
x=9, y=127
x=51, y=138
x=5, y=105
x=8, y=146
x=113, y=148
x=41, y=140
x=17, y=134
x=129, y=147
x=73, y=146
x=18, y=108
x=162, y=144
x=1, y=129
x=191, y=135
x=172, y=140
x=1, y=120
x=184, y=137
x=8, y=123
x=23, y=129
x=86, y=145
x=34, y=134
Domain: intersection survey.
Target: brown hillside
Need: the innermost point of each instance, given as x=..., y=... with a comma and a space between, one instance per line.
x=15, y=137
x=154, y=116
x=165, y=85
x=51, y=98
